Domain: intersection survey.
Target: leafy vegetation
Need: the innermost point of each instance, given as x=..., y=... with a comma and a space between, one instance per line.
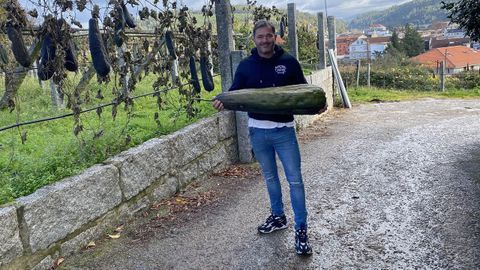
x=52, y=152
x=407, y=76
x=467, y=14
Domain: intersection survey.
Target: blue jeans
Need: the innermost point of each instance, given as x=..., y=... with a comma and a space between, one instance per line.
x=283, y=141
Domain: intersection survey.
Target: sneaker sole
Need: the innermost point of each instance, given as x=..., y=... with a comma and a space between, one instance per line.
x=274, y=229
x=308, y=253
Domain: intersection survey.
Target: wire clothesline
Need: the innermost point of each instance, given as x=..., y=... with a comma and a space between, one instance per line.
x=93, y=109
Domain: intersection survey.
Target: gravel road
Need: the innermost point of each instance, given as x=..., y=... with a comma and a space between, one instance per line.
x=389, y=185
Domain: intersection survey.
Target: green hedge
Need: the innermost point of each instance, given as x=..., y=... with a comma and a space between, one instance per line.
x=411, y=78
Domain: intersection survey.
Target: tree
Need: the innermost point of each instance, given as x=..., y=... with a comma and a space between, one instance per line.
x=395, y=41
x=307, y=45
x=412, y=44
x=467, y=14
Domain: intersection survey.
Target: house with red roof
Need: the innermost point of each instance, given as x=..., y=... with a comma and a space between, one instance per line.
x=344, y=41
x=457, y=59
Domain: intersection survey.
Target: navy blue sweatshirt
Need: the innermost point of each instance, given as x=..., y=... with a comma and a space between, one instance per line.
x=258, y=72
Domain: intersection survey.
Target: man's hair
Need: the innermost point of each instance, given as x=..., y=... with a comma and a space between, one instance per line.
x=263, y=23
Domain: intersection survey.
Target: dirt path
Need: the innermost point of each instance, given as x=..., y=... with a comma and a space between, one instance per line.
x=390, y=185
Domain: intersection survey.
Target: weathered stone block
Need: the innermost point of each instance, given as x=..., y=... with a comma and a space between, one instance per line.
x=212, y=158
x=45, y=264
x=187, y=173
x=57, y=210
x=226, y=125
x=141, y=166
x=10, y=244
x=129, y=209
x=102, y=225
x=165, y=190
x=231, y=148
x=194, y=140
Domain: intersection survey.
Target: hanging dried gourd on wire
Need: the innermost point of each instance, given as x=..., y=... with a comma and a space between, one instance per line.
x=15, y=23
x=130, y=22
x=57, y=52
x=97, y=48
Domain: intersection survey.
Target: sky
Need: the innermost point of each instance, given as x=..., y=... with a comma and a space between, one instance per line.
x=338, y=8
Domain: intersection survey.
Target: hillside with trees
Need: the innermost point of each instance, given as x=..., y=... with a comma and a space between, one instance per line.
x=416, y=12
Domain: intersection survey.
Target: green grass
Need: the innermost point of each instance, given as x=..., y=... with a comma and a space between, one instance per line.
x=52, y=152
x=364, y=94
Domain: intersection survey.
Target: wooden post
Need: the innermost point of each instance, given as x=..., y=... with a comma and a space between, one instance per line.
x=174, y=72
x=243, y=141
x=442, y=76
x=358, y=73
x=369, y=68
x=292, y=30
x=322, y=59
x=121, y=65
x=15, y=79
x=223, y=13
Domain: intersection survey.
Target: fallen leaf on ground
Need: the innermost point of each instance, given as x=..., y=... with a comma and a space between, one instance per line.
x=91, y=244
x=59, y=261
x=114, y=236
x=119, y=229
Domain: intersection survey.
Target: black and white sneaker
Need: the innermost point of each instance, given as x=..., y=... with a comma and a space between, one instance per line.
x=302, y=247
x=273, y=223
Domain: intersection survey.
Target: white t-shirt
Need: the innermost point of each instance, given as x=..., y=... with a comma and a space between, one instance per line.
x=267, y=124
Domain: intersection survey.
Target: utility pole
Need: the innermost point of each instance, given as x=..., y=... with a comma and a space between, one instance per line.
x=326, y=13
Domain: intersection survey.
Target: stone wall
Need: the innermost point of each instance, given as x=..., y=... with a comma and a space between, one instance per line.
x=62, y=218
x=324, y=79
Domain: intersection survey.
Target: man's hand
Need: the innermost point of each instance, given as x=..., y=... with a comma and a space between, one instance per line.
x=218, y=105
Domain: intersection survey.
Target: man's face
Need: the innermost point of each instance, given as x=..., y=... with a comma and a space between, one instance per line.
x=264, y=40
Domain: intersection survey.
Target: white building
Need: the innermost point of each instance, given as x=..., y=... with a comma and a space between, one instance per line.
x=454, y=33
x=377, y=30
x=368, y=48
x=358, y=49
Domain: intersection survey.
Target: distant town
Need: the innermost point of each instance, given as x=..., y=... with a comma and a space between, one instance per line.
x=443, y=41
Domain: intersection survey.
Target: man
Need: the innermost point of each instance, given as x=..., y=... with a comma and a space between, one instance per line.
x=270, y=134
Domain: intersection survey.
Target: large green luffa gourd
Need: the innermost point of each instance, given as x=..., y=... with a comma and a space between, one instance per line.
x=291, y=99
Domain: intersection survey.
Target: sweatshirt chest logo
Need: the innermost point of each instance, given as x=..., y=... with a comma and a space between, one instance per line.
x=280, y=69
